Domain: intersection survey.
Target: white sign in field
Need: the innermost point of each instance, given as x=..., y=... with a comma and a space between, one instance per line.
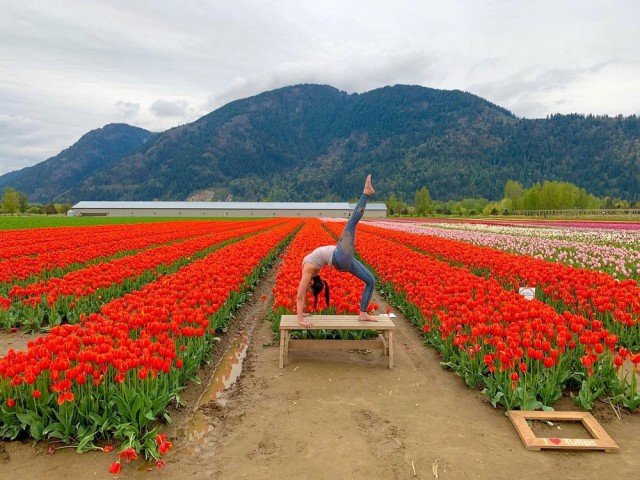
x=528, y=292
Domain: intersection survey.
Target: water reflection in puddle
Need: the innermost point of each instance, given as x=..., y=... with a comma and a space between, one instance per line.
x=227, y=372
x=225, y=376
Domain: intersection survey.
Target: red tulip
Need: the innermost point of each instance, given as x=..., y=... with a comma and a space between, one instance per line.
x=129, y=454
x=115, y=468
x=163, y=445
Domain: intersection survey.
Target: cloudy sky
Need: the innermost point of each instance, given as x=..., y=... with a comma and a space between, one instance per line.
x=67, y=67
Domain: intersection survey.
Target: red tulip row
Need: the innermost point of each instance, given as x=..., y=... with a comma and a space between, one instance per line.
x=593, y=294
x=523, y=352
x=114, y=373
x=36, y=241
x=74, y=246
x=83, y=290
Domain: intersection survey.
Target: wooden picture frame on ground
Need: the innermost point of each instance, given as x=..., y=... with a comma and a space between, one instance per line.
x=600, y=441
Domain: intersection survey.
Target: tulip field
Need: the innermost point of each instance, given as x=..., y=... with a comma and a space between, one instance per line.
x=111, y=370
x=127, y=314
x=576, y=334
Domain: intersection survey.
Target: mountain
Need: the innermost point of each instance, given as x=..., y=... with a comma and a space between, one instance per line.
x=303, y=143
x=317, y=143
x=94, y=152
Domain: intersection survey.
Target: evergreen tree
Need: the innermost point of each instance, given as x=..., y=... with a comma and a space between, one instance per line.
x=50, y=209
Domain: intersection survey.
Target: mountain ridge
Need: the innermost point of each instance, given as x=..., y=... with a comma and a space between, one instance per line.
x=315, y=143
x=92, y=153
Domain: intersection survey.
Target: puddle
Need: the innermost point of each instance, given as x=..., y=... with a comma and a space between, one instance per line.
x=215, y=395
x=197, y=428
x=227, y=373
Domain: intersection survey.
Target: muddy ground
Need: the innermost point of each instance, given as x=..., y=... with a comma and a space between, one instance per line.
x=336, y=415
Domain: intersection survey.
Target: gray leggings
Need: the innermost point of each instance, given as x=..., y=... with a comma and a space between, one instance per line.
x=343, y=256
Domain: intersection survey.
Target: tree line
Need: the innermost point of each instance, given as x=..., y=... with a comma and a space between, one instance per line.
x=548, y=195
x=14, y=202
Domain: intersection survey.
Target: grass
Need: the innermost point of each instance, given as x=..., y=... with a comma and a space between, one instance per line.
x=51, y=221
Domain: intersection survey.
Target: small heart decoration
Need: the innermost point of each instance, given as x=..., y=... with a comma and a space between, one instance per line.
x=557, y=441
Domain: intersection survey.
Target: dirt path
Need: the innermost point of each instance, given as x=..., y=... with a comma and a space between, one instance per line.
x=15, y=341
x=335, y=415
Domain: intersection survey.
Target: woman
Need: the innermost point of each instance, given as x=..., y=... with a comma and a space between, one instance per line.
x=341, y=257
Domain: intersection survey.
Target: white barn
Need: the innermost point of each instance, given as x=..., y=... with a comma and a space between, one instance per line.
x=222, y=209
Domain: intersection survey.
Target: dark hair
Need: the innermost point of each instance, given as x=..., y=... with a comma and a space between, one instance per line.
x=317, y=284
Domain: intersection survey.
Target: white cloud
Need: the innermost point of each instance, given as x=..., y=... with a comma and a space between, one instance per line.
x=171, y=108
x=127, y=110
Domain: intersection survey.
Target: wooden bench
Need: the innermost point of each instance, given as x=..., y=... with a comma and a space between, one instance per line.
x=384, y=325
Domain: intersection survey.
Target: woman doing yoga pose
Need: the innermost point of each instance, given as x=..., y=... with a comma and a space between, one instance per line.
x=341, y=257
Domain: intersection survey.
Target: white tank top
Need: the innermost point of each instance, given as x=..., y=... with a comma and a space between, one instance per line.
x=320, y=256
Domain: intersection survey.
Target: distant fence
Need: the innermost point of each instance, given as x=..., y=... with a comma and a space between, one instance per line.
x=617, y=212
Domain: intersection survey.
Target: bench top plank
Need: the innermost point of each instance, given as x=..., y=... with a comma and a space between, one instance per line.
x=332, y=322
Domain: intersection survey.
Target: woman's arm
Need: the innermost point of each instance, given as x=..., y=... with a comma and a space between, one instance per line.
x=301, y=296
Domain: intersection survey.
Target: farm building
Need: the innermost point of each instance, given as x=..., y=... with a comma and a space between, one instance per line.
x=221, y=209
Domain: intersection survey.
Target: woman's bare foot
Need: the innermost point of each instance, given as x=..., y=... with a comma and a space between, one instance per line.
x=304, y=323
x=368, y=189
x=365, y=317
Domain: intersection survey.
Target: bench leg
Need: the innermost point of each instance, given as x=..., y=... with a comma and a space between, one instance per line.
x=383, y=340
x=281, y=360
x=286, y=343
x=390, y=347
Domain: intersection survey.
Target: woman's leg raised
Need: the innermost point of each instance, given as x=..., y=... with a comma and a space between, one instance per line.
x=346, y=245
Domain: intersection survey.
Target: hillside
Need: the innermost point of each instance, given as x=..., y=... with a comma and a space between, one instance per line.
x=94, y=152
x=316, y=143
